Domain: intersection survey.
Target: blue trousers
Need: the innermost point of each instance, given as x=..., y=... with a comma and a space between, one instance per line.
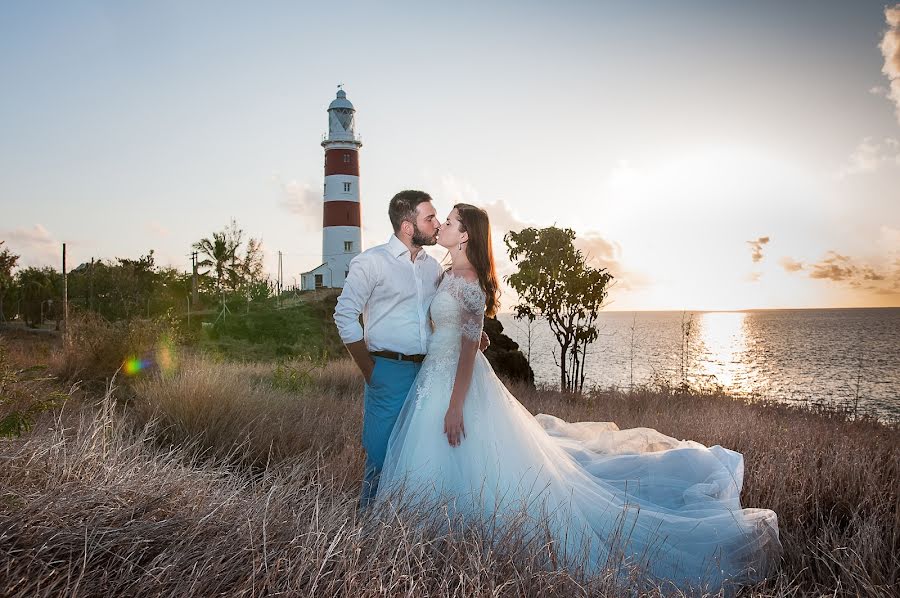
x=384, y=397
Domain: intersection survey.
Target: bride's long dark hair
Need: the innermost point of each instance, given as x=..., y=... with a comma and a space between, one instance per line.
x=475, y=221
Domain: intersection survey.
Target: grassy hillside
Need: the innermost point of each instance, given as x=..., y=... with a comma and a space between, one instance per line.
x=301, y=328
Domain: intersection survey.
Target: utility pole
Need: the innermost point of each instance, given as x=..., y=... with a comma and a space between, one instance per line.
x=65, y=294
x=279, y=278
x=91, y=287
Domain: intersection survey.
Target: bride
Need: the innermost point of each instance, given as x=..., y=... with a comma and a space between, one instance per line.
x=668, y=508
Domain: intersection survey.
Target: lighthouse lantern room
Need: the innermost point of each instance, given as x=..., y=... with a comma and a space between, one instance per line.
x=341, y=232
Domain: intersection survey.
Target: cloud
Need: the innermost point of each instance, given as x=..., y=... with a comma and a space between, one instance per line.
x=835, y=267
x=303, y=200
x=602, y=253
x=599, y=251
x=623, y=175
x=756, y=247
x=869, y=273
x=503, y=219
x=890, y=49
x=883, y=279
x=454, y=190
x=871, y=155
x=878, y=90
x=790, y=265
x=889, y=241
x=35, y=245
x=156, y=228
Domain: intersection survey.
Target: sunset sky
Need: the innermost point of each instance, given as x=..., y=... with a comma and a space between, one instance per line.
x=712, y=155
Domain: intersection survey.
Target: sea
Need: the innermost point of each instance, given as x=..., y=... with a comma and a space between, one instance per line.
x=836, y=358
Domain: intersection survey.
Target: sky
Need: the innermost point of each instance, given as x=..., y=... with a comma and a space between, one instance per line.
x=712, y=155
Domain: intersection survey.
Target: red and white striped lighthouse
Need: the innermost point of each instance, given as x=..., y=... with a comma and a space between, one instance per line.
x=341, y=232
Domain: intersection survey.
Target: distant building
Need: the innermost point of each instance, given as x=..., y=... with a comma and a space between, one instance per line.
x=341, y=232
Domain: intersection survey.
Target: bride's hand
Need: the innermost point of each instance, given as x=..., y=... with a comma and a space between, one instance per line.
x=453, y=426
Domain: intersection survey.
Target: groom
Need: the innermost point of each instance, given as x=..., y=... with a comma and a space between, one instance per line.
x=392, y=286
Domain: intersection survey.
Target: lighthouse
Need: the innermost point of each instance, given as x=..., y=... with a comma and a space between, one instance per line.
x=341, y=221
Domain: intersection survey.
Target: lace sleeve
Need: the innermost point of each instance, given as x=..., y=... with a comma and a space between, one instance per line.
x=472, y=302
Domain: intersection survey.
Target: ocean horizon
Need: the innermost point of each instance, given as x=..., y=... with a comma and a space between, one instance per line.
x=845, y=358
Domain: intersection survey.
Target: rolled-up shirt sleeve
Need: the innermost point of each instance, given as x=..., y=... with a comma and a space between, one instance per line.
x=358, y=287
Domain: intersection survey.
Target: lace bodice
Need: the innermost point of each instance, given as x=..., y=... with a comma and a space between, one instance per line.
x=457, y=312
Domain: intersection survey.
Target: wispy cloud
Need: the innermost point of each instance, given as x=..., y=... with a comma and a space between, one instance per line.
x=890, y=49
x=756, y=248
x=303, y=200
x=790, y=265
x=603, y=253
x=35, y=245
x=834, y=267
x=871, y=155
x=850, y=272
x=157, y=229
x=454, y=190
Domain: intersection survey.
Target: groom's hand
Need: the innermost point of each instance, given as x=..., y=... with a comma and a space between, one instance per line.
x=485, y=341
x=367, y=374
x=360, y=354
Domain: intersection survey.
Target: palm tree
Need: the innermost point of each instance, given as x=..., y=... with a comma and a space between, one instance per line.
x=219, y=256
x=222, y=257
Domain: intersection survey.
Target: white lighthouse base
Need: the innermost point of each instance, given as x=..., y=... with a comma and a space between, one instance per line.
x=317, y=278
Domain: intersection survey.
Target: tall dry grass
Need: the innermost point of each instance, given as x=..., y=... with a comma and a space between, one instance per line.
x=242, y=479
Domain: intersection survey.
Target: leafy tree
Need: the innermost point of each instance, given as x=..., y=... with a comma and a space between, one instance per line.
x=555, y=283
x=8, y=261
x=41, y=292
x=126, y=287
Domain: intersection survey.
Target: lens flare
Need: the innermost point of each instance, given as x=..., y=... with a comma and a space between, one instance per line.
x=165, y=357
x=134, y=365
x=162, y=359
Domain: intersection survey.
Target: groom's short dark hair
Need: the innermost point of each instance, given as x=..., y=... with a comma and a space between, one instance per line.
x=403, y=206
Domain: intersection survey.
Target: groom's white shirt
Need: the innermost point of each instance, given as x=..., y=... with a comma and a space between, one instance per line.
x=393, y=295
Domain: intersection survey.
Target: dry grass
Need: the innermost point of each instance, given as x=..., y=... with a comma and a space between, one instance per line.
x=95, y=348
x=242, y=479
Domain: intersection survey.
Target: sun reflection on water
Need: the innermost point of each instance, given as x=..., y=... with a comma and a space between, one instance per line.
x=721, y=346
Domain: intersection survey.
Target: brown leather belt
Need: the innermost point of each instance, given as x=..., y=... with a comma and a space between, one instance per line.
x=398, y=356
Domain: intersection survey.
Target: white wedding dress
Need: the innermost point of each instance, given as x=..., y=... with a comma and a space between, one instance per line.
x=633, y=500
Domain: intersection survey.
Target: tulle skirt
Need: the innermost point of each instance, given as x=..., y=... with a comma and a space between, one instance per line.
x=634, y=500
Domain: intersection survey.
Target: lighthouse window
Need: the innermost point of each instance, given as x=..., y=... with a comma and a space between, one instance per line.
x=346, y=186
x=347, y=158
x=348, y=245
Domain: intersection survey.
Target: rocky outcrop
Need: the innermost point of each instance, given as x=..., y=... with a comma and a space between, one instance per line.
x=504, y=354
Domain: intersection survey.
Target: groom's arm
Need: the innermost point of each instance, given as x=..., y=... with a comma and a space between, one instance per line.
x=357, y=290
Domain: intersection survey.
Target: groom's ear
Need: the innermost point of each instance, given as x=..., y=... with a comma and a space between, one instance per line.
x=406, y=228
